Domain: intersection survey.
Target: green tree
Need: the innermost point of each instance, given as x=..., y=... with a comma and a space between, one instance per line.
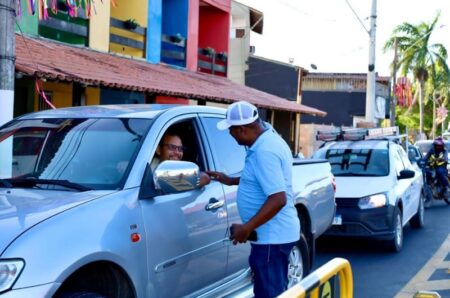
x=418, y=56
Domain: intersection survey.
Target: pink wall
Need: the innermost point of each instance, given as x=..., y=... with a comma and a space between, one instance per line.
x=192, y=36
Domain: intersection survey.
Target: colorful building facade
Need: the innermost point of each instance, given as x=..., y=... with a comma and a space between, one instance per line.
x=190, y=35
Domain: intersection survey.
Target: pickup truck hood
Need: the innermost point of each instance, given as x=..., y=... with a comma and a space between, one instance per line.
x=358, y=187
x=20, y=209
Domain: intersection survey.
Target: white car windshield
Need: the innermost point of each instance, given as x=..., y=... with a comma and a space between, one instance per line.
x=61, y=153
x=356, y=162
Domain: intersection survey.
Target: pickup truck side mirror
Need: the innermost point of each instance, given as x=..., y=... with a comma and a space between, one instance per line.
x=176, y=176
x=169, y=177
x=406, y=174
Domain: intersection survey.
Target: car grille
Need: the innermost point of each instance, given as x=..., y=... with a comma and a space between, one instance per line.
x=347, y=202
x=348, y=229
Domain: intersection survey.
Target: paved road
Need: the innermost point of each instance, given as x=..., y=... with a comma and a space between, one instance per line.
x=423, y=262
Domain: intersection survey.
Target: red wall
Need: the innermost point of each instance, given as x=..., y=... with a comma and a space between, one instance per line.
x=224, y=5
x=214, y=29
x=162, y=99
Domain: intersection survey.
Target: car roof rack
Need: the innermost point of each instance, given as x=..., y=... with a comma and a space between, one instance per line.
x=359, y=134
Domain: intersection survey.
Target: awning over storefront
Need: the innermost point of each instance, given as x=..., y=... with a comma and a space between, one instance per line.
x=52, y=60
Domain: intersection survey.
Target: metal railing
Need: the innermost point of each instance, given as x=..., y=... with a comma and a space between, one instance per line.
x=322, y=281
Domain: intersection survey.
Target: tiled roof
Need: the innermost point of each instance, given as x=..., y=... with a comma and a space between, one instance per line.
x=56, y=61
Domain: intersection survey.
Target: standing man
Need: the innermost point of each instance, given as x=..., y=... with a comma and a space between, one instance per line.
x=264, y=198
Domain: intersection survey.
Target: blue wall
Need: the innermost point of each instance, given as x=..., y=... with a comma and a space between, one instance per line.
x=174, y=21
x=154, y=31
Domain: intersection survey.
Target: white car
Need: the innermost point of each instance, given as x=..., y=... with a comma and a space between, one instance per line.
x=378, y=190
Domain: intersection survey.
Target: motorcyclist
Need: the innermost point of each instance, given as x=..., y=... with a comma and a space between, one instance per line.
x=437, y=158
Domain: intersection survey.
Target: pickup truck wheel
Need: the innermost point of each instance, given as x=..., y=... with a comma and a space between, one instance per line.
x=298, y=266
x=418, y=221
x=396, y=243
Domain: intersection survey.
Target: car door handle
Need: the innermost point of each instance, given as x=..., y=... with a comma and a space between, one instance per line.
x=213, y=204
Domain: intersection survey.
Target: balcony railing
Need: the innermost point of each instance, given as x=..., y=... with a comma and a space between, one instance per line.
x=211, y=62
x=61, y=26
x=173, y=49
x=128, y=41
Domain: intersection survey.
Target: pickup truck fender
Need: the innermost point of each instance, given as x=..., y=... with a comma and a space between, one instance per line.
x=108, y=242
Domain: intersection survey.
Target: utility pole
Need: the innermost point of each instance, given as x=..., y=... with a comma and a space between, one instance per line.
x=394, y=82
x=370, y=90
x=7, y=59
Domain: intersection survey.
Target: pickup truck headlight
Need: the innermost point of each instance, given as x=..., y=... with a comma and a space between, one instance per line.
x=9, y=272
x=373, y=201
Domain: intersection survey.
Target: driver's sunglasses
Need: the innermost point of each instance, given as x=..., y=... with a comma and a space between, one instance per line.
x=173, y=147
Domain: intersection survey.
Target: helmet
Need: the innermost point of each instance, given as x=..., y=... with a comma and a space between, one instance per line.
x=438, y=143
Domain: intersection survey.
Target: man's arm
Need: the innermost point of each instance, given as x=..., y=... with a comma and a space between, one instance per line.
x=269, y=209
x=222, y=178
x=204, y=179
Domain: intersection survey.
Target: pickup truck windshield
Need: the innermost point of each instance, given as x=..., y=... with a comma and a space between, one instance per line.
x=70, y=154
x=356, y=162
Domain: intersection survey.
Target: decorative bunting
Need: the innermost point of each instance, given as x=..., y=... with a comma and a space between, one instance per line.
x=40, y=91
x=43, y=7
x=403, y=92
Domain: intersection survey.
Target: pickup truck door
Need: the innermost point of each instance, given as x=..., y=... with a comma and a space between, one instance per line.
x=185, y=233
x=229, y=157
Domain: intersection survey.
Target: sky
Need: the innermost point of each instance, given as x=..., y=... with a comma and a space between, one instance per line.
x=327, y=33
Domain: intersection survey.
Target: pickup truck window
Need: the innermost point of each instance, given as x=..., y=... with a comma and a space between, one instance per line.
x=92, y=152
x=229, y=153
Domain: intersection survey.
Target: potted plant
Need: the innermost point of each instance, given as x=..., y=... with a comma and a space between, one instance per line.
x=176, y=38
x=131, y=24
x=222, y=56
x=208, y=51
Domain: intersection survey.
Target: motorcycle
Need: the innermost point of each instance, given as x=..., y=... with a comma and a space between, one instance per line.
x=433, y=190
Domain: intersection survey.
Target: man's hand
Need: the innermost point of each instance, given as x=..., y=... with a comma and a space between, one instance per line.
x=239, y=233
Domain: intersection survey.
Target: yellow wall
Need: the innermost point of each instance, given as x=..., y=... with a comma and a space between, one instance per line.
x=92, y=96
x=61, y=94
x=99, y=26
x=124, y=10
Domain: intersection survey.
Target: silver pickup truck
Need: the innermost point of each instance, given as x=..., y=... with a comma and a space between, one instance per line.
x=82, y=213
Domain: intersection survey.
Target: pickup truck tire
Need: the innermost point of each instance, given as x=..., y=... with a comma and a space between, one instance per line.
x=396, y=243
x=95, y=281
x=418, y=221
x=298, y=262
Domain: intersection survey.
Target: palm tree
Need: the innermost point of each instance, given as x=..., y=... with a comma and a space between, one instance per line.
x=417, y=55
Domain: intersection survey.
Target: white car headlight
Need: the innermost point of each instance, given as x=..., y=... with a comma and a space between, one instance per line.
x=373, y=201
x=9, y=272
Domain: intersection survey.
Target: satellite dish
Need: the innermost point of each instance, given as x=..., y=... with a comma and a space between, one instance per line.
x=313, y=66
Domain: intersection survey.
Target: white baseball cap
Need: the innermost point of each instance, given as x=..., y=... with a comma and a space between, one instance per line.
x=239, y=113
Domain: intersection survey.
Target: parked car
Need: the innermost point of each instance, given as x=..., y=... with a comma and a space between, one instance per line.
x=82, y=212
x=378, y=189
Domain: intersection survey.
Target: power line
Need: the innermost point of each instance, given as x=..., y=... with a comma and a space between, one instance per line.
x=357, y=17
